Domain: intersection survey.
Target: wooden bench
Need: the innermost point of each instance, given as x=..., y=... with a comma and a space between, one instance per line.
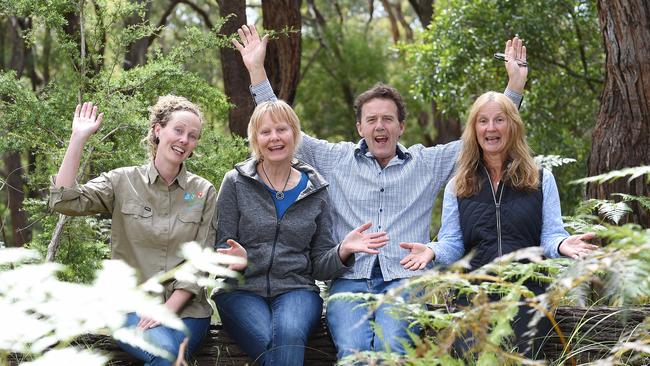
x=598, y=329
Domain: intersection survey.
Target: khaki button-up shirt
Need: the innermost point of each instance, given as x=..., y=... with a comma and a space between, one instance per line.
x=150, y=220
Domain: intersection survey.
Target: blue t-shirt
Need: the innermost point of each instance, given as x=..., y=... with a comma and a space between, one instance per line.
x=290, y=196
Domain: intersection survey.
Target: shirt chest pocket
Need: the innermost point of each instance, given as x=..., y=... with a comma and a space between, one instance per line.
x=187, y=225
x=138, y=222
x=190, y=217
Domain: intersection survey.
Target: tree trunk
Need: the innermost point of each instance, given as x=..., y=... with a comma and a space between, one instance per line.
x=448, y=129
x=283, y=55
x=15, y=174
x=622, y=135
x=424, y=10
x=137, y=52
x=235, y=77
x=15, y=197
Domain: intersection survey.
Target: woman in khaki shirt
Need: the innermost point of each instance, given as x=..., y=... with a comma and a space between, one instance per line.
x=154, y=208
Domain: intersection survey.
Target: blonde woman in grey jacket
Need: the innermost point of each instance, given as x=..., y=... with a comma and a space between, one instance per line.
x=278, y=209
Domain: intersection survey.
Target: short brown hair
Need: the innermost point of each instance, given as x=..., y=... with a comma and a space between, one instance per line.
x=279, y=111
x=160, y=114
x=380, y=91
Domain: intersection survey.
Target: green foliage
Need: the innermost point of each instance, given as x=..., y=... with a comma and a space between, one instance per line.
x=453, y=64
x=83, y=242
x=45, y=315
x=38, y=120
x=634, y=173
x=342, y=59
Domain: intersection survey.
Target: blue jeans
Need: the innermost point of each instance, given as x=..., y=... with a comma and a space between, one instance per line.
x=272, y=331
x=167, y=338
x=349, y=322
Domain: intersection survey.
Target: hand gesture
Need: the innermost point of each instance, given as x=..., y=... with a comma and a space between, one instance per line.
x=576, y=247
x=419, y=256
x=86, y=121
x=236, y=250
x=357, y=241
x=251, y=48
x=516, y=54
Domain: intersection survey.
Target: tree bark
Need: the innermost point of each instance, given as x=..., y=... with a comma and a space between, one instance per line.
x=137, y=52
x=13, y=167
x=235, y=77
x=15, y=197
x=424, y=10
x=621, y=137
x=283, y=55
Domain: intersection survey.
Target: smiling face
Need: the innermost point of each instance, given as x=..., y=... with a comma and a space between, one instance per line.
x=178, y=138
x=492, y=130
x=275, y=140
x=380, y=127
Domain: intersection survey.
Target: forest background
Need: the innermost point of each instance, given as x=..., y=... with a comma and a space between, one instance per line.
x=587, y=97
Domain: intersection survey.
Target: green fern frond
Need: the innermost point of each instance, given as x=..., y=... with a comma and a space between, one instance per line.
x=616, y=174
x=642, y=200
x=551, y=161
x=613, y=211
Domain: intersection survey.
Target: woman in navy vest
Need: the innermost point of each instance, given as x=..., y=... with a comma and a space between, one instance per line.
x=500, y=201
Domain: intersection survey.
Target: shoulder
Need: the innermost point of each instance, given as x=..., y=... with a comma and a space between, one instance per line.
x=198, y=181
x=547, y=176
x=450, y=149
x=314, y=177
x=126, y=171
x=231, y=176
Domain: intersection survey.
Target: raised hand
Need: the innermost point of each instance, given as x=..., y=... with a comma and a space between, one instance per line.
x=236, y=250
x=576, y=247
x=86, y=121
x=515, y=60
x=84, y=124
x=252, y=50
x=419, y=256
x=357, y=241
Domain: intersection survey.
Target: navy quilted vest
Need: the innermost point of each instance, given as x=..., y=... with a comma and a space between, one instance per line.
x=493, y=229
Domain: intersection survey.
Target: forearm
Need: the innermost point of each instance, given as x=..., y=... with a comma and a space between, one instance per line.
x=257, y=74
x=70, y=166
x=178, y=299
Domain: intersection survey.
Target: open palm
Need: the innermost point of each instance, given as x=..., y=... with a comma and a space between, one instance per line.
x=516, y=51
x=86, y=121
x=252, y=48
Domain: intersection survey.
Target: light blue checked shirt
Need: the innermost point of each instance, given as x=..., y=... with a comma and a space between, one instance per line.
x=397, y=199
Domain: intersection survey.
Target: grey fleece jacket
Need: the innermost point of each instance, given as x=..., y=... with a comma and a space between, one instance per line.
x=285, y=254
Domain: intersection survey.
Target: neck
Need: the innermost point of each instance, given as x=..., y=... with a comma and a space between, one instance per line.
x=166, y=170
x=278, y=170
x=495, y=166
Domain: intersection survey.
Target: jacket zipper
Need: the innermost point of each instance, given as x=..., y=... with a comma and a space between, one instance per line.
x=277, y=234
x=268, y=271
x=497, y=204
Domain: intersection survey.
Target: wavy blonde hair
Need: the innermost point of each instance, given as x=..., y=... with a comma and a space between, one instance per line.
x=161, y=113
x=522, y=172
x=279, y=111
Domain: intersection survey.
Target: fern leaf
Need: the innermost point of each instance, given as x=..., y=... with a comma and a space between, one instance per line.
x=613, y=211
x=550, y=161
x=616, y=174
x=642, y=200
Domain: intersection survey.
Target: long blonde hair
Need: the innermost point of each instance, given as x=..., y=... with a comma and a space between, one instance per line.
x=521, y=173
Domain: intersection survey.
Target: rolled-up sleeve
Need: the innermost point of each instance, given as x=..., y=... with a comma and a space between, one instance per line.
x=96, y=196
